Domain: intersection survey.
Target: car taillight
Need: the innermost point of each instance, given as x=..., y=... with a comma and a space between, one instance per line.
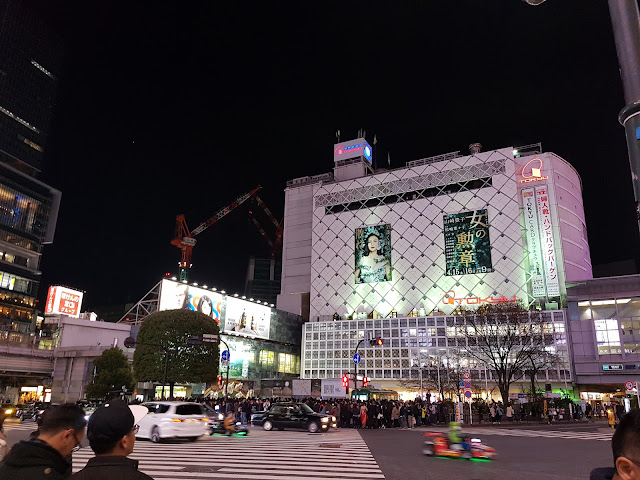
x=204, y=419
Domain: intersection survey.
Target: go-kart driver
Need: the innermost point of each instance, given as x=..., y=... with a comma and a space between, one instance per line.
x=230, y=423
x=455, y=437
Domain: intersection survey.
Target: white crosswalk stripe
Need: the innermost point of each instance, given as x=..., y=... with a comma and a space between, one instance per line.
x=11, y=424
x=521, y=432
x=336, y=455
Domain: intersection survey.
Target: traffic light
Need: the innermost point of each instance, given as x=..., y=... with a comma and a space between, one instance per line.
x=377, y=342
x=219, y=380
x=365, y=381
x=345, y=380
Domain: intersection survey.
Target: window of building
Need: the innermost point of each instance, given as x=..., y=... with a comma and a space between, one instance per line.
x=267, y=358
x=287, y=363
x=607, y=336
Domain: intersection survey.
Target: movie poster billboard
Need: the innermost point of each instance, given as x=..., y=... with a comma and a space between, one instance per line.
x=373, y=254
x=536, y=268
x=547, y=242
x=467, y=244
x=180, y=296
x=242, y=355
x=247, y=318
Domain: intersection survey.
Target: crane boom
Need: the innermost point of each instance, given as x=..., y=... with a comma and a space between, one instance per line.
x=184, y=238
x=224, y=211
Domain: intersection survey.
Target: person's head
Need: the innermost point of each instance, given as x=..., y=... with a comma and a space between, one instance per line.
x=372, y=245
x=183, y=298
x=626, y=446
x=62, y=427
x=112, y=429
x=205, y=306
x=454, y=426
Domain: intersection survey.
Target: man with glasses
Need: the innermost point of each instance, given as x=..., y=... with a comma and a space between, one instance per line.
x=626, y=451
x=45, y=456
x=112, y=434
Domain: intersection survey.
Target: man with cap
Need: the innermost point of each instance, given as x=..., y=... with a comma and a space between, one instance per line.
x=112, y=433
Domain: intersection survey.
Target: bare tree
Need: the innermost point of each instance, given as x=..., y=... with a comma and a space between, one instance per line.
x=510, y=340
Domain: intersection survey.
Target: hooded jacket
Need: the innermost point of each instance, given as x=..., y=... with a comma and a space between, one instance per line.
x=34, y=460
x=605, y=473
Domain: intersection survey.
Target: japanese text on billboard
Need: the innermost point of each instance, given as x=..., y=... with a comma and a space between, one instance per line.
x=547, y=243
x=536, y=275
x=466, y=242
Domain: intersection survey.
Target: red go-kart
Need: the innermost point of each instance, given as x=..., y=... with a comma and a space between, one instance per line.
x=436, y=444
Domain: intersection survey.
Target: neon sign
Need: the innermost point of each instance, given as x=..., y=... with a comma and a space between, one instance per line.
x=450, y=299
x=352, y=150
x=535, y=175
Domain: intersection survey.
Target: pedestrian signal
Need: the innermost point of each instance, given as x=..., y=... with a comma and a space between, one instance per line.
x=365, y=381
x=345, y=381
x=219, y=380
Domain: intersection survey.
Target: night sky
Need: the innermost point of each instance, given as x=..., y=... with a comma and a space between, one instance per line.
x=166, y=108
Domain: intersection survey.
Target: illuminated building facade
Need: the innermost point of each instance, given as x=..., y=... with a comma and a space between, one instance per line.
x=30, y=62
x=412, y=245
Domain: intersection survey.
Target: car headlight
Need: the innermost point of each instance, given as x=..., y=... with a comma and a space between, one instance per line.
x=333, y=419
x=220, y=416
x=8, y=411
x=324, y=419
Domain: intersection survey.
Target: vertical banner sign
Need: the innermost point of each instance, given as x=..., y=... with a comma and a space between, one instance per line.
x=533, y=242
x=547, y=244
x=466, y=243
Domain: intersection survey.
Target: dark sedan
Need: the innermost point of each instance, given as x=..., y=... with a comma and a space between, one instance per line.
x=293, y=415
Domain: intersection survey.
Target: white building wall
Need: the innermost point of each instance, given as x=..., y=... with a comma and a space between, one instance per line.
x=418, y=255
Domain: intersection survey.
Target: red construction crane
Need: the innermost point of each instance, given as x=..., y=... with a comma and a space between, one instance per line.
x=185, y=240
x=276, y=242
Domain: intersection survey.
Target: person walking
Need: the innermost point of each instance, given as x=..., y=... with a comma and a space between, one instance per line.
x=363, y=415
x=45, y=457
x=510, y=413
x=492, y=413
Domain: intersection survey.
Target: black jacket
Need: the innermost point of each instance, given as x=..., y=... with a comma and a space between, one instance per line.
x=602, y=473
x=34, y=460
x=110, y=468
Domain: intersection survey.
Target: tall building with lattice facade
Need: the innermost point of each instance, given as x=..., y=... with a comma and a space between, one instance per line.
x=30, y=63
x=424, y=240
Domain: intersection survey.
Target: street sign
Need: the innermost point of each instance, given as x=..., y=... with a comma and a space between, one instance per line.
x=466, y=375
x=224, y=363
x=467, y=385
x=628, y=385
x=467, y=393
x=356, y=358
x=226, y=356
x=210, y=337
x=461, y=384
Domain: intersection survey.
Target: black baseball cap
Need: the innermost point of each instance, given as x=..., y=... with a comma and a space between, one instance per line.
x=110, y=422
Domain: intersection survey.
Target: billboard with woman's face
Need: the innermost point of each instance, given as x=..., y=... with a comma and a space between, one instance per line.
x=179, y=296
x=373, y=254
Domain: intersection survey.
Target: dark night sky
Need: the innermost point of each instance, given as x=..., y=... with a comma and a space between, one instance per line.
x=166, y=108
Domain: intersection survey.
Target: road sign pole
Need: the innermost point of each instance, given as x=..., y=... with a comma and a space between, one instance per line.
x=226, y=382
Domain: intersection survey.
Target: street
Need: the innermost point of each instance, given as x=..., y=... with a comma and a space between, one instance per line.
x=533, y=451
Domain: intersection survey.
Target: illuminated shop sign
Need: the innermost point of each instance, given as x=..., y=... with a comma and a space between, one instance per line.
x=547, y=242
x=63, y=301
x=612, y=366
x=451, y=299
x=536, y=270
x=352, y=149
x=466, y=243
x=179, y=296
x=532, y=171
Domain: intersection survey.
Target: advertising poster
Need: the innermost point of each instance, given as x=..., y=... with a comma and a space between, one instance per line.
x=547, y=243
x=536, y=274
x=332, y=388
x=179, y=296
x=63, y=301
x=466, y=243
x=373, y=254
x=247, y=318
x=301, y=388
x=241, y=356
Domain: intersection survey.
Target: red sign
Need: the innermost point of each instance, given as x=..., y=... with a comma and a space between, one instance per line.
x=63, y=301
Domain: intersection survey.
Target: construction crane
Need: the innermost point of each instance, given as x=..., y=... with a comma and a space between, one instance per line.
x=185, y=239
x=276, y=242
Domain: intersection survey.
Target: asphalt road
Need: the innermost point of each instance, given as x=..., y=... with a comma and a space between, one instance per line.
x=399, y=455
x=399, y=452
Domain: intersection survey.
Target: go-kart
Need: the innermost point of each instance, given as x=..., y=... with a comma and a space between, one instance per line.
x=436, y=444
x=216, y=427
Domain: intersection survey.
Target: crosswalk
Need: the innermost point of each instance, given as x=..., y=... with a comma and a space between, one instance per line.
x=12, y=424
x=522, y=432
x=261, y=455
